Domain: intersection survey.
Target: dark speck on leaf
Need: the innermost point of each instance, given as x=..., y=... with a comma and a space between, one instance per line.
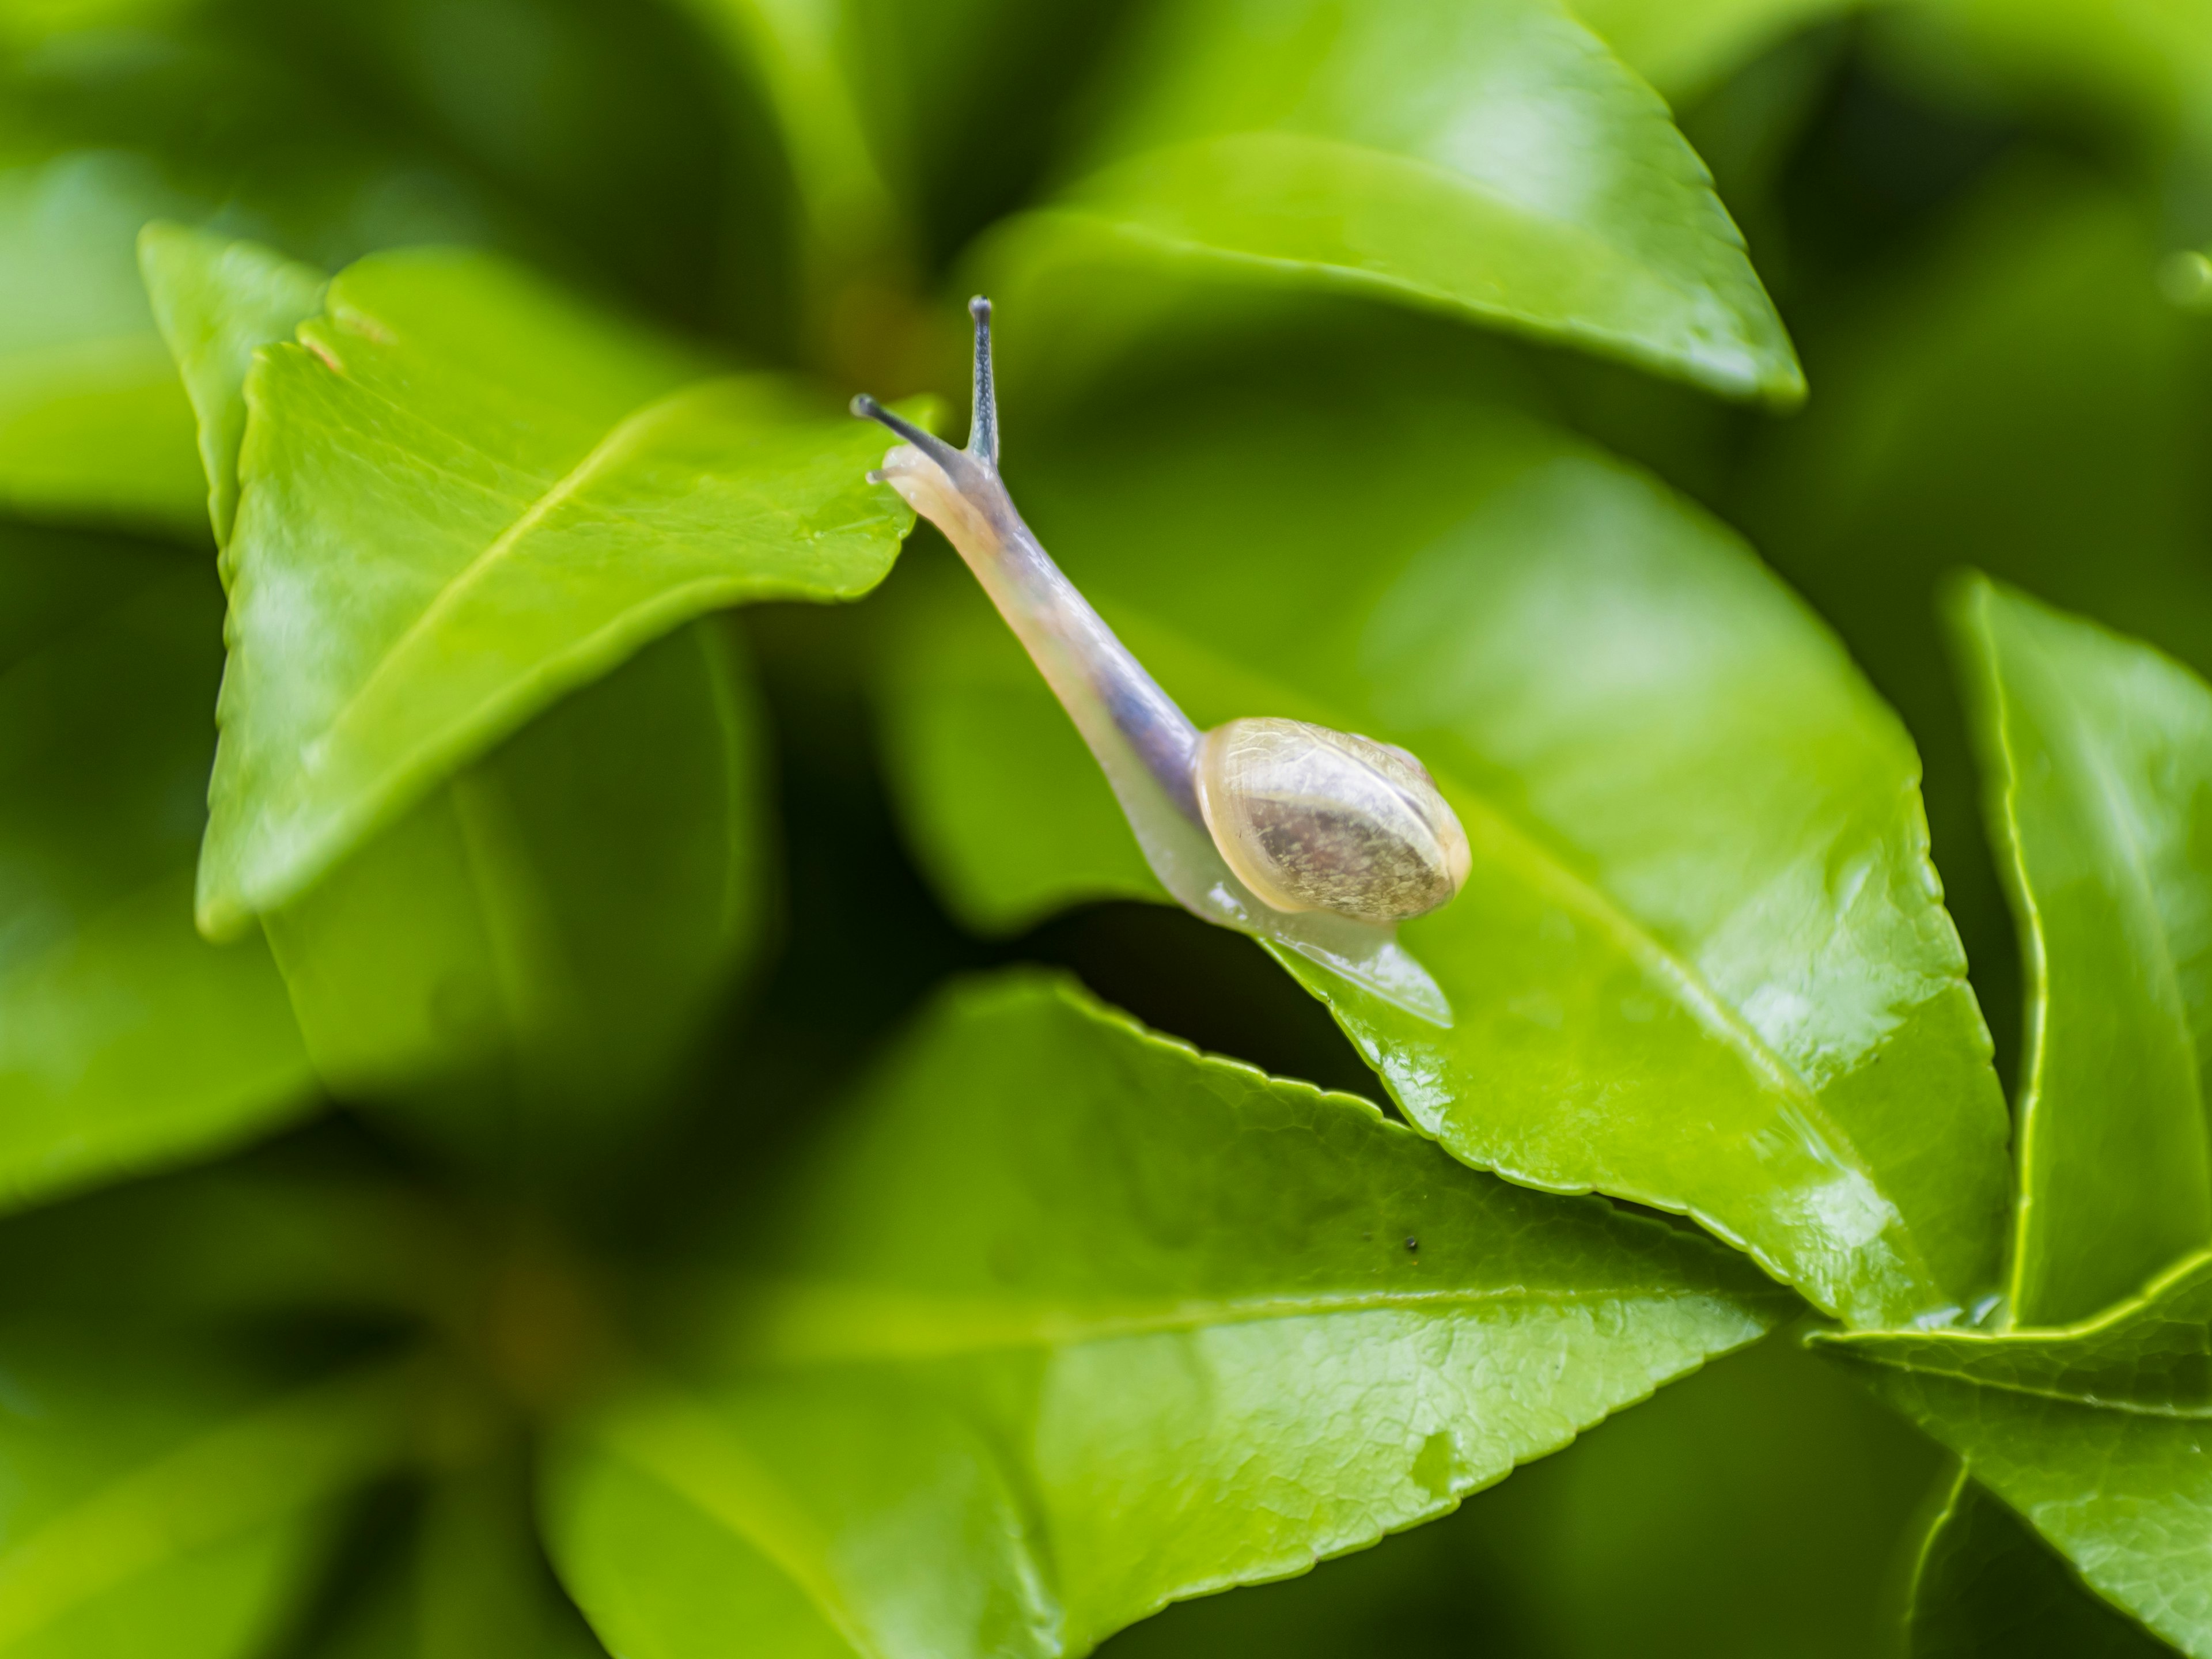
x=1413, y=1243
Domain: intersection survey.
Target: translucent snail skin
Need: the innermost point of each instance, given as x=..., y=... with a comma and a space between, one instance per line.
x=1321, y=841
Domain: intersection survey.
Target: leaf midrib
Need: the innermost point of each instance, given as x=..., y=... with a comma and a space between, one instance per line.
x=920, y=1325
x=2053, y=1393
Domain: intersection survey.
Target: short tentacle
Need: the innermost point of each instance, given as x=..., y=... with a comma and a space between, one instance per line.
x=927, y=442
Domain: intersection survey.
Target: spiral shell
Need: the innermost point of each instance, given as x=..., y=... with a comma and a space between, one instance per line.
x=1312, y=819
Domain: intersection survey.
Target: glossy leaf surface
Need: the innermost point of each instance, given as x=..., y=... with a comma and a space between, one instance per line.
x=462, y=495
x=1067, y=1320
x=2095, y=1433
x=96, y=140
x=163, y=1499
x=1701, y=961
x=1707, y=1521
x=1985, y=1584
x=126, y=1040
x=1490, y=159
x=2097, y=755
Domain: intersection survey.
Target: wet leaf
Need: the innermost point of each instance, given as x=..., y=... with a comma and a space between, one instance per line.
x=1701, y=962
x=1067, y=1320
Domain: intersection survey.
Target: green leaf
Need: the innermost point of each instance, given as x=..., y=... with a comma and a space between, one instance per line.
x=1700, y=962
x=96, y=140
x=2095, y=1433
x=1985, y=1584
x=545, y=929
x=462, y=495
x=1706, y=1522
x=1067, y=1320
x=1685, y=47
x=2098, y=754
x=2143, y=68
x=217, y=301
x=532, y=949
x=163, y=1500
x=1487, y=159
x=468, y=1582
x=125, y=1040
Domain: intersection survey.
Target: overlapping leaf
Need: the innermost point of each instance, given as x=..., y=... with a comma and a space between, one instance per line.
x=1068, y=1322
x=559, y=911
x=2098, y=755
x=2095, y=1432
x=1489, y=159
x=2098, y=751
x=1985, y=1584
x=462, y=495
x=1701, y=961
x=125, y=1040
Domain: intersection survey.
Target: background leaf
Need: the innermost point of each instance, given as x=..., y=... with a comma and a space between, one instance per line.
x=172, y=1498
x=1700, y=871
x=1490, y=159
x=125, y=1040
x=530, y=952
x=1683, y=47
x=1985, y=1584
x=2098, y=754
x=100, y=134
x=467, y=1578
x=1014, y=1378
x=2094, y=1434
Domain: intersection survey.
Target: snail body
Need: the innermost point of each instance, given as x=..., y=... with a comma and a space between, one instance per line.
x=1322, y=840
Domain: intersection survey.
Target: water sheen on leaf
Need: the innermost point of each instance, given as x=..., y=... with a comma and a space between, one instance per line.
x=462, y=494
x=2098, y=755
x=1487, y=157
x=1701, y=961
x=126, y=1040
x=1067, y=1320
x=2095, y=1432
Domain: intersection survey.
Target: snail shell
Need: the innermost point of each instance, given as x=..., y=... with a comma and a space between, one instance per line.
x=1312, y=819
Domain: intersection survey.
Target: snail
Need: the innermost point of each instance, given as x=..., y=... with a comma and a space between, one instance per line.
x=1321, y=841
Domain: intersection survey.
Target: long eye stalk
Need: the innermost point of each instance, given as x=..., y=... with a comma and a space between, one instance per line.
x=1148, y=749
